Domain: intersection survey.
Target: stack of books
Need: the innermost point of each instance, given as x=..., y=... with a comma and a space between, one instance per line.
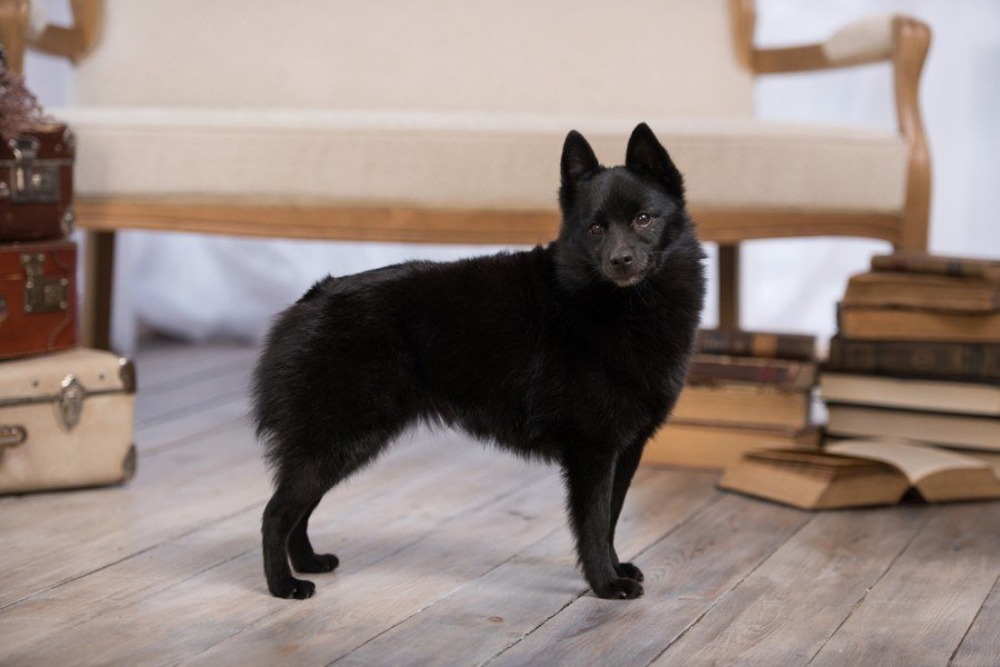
x=918, y=353
x=745, y=390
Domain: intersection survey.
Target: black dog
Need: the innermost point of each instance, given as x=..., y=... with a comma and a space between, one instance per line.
x=573, y=353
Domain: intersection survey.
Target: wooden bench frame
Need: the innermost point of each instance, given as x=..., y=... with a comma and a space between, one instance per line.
x=101, y=218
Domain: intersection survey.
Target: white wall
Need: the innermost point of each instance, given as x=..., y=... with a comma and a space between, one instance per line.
x=201, y=287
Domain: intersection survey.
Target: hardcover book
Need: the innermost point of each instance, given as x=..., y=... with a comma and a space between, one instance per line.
x=715, y=447
x=868, y=323
x=939, y=428
x=757, y=344
x=973, y=398
x=920, y=359
x=921, y=262
x=917, y=290
x=709, y=369
x=742, y=405
x=859, y=473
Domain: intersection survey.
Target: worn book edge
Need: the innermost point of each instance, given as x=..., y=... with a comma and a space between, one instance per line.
x=968, y=397
x=859, y=473
x=925, y=263
x=938, y=475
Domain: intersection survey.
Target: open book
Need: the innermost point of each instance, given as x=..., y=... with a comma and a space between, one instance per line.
x=856, y=473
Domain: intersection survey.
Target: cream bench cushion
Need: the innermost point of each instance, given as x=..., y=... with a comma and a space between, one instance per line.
x=450, y=160
x=634, y=58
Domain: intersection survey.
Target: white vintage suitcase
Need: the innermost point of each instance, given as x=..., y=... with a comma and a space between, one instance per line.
x=66, y=421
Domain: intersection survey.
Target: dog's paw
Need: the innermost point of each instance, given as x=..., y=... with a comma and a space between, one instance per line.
x=619, y=589
x=316, y=563
x=629, y=571
x=291, y=588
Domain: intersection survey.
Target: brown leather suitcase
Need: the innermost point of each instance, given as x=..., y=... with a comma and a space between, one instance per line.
x=66, y=421
x=38, y=305
x=36, y=184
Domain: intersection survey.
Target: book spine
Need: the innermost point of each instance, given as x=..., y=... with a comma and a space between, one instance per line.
x=795, y=347
x=968, y=304
x=950, y=361
x=780, y=374
x=937, y=265
x=917, y=324
x=933, y=292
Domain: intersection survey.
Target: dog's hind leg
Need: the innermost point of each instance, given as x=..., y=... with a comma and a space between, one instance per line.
x=300, y=550
x=288, y=507
x=299, y=488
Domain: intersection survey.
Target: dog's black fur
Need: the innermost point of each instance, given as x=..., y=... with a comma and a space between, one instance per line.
x=573, y=353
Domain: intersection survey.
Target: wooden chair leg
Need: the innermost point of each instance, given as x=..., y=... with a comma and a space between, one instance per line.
x=729, y=286
x=99, y=271
x=14, y=19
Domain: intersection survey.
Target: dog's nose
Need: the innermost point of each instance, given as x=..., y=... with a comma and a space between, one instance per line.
x=621, y=260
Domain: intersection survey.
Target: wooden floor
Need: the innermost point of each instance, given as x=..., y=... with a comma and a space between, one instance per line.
x=458, y=555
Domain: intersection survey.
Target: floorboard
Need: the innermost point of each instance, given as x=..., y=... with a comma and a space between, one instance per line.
x=981, y=644
x=486, y=616
x=920, y=611
x=687, y=573
x=786, y=609
x=455, y=554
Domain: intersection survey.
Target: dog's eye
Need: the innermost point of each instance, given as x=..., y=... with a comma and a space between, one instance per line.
x=642, y=219
x=596, y=230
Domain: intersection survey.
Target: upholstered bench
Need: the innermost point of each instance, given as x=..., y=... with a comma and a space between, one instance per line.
x=443, y=121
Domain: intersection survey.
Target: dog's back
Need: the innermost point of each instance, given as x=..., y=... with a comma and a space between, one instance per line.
x=382, y=349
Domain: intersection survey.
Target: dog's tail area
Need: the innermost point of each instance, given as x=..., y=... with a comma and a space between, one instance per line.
x=276, y=380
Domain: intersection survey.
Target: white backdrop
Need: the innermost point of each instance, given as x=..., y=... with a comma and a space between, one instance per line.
x=201, y=287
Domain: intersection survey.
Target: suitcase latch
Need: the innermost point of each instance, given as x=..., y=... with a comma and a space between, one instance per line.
x=11, y=436
x=41, y=294
x=33, y=183
x=69, y=405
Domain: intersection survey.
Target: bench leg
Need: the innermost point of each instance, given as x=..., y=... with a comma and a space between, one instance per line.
x=99, y=271
x=729, y=286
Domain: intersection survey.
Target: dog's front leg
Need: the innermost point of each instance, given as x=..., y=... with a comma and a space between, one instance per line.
x=590, y=480
x=625, y=467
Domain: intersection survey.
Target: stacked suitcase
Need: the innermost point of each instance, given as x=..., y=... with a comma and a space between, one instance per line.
x=66, y=413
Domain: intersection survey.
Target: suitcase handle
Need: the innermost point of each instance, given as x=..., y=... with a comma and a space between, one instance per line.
x=12, y=436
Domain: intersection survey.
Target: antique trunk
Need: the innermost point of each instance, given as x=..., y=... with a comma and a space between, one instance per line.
x=38, y=304
x=66, y=421
x=36, y=184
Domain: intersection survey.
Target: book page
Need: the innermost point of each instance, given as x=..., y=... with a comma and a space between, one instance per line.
x=915, y=461
x=989, y=458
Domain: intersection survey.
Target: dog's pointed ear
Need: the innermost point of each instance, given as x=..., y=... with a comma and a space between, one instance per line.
x=578, y=158
x=648, y=156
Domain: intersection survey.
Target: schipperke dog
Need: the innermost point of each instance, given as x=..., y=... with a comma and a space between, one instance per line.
x=573, y=353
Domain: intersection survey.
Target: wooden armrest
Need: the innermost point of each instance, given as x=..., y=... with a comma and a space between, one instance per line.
x=901, y=40
x=867, y=40
x=911, y=39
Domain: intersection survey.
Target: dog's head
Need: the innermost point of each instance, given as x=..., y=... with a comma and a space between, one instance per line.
x=619, y=224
